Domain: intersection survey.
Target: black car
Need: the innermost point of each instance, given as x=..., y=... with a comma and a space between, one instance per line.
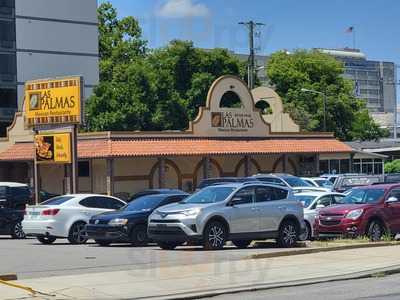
x=154, y=192
x=13, y=200
x=129, y=224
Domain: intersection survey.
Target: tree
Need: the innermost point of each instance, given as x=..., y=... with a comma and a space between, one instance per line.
x=347, y=116
x=393, y=166
x=150, y=90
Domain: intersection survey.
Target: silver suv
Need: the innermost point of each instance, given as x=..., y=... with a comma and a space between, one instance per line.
x=238, y=212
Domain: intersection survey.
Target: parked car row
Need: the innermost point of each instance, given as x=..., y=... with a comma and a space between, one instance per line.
x=264, y=206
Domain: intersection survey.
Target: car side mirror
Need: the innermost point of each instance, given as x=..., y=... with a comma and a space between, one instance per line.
x=319, y=206
x=235, y=201
x=392, y=200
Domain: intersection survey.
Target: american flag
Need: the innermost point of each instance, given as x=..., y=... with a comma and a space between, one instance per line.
x=350, y=29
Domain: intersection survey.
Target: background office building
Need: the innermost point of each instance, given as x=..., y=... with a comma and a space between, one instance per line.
x=44, y=39
x=374, y=79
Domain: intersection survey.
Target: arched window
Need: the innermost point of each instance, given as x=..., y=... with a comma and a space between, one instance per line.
x=264, y=107
x=230, y=100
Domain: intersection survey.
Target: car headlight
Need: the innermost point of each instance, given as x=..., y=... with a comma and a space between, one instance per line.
x=191, y=212
x=118, y=222
x=354, y=214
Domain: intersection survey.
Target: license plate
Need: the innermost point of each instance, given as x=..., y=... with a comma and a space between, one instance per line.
x=161, y=225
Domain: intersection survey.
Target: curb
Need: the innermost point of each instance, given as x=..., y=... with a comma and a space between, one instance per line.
x=8, y=277
x=319, y=250
x=267, y=286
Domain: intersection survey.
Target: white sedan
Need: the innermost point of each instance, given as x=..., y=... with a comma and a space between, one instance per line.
x=312, y=201
x=66, y=216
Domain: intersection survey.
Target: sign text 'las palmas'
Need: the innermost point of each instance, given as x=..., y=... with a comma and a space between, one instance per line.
x=51, y=102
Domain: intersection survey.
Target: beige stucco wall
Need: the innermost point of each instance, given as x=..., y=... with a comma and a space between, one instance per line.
x=52, y=178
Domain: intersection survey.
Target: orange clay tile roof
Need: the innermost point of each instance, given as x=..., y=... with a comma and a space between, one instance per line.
x=102, y=148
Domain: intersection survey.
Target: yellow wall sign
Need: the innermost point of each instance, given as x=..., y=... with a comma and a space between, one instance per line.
x=53, y=148
x=55, y=101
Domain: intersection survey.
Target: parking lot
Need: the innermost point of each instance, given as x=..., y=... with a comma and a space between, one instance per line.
x=30, y=259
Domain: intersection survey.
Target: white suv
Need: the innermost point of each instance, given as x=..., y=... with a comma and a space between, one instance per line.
x=237, y=212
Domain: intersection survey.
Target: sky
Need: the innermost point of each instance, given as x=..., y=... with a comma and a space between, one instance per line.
x=289, y=24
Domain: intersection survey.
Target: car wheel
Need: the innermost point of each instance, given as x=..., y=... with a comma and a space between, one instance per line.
x=139, y=235
x=241, y=244
x=306, y=236
x=288, y=234
x=167, y=245
x=17, y=232
x=77, y=233
x=46, y=240
x=215, y=235
x=375, y=231
x=103, y=243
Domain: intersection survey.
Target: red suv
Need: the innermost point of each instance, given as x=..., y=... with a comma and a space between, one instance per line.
x=371, y=210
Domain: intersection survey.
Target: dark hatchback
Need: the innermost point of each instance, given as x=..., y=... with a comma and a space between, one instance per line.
x=129, y=224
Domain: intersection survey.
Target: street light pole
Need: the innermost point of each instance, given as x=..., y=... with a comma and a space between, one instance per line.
x=325, y=99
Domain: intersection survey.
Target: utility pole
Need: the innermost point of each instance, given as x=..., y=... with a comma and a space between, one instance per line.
x=251, y=25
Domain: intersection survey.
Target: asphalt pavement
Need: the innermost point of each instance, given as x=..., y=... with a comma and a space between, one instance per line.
x=378, y=288
x=30, y=259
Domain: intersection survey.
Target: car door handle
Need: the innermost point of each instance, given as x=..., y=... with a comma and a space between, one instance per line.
x=282, y=207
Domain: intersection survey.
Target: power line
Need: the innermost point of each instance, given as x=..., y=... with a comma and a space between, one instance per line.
x=251, y=25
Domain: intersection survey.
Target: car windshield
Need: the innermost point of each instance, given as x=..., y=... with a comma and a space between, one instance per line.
x=212, y=194
x=144, y=203
x=358, y=181
x=296, y=182
x=323, y=182
x=57, y=200
x=363, y=196
x=305, y=200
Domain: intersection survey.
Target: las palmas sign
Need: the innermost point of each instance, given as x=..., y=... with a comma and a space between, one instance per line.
x=54, y=101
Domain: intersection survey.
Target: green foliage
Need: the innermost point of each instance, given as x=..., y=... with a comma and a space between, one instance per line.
x=392, y=166
x=347, y=116
x=150, y=90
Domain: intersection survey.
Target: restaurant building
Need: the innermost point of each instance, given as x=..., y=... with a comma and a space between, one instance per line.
x=238, y=133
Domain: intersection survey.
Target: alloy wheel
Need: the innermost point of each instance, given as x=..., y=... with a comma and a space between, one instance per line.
x=289, y=234
x=216, y=236
x=79, y=234
x=376, y=232
x=18, y=231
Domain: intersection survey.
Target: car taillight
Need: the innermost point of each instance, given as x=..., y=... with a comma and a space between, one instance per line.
x=50, y=212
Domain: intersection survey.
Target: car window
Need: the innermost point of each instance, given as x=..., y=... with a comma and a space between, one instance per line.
x=110, y=203
x=244, y=196
x=263, y=194
x=3, y=191
x=395, y=193
x=296, y=181
x=325, y=201
x=91, y=202
x=145, y=203
x=363, y=196
x=57, y=200
x=305, y=200
x=211, y=194
x=20, y=192
x=338, y=198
